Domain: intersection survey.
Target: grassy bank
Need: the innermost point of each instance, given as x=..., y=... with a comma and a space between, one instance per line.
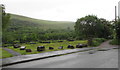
x=4, y=54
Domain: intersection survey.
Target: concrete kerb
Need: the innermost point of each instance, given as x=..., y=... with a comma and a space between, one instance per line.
x=32, y=57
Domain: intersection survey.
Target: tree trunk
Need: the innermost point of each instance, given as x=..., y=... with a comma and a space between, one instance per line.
x=90, y=42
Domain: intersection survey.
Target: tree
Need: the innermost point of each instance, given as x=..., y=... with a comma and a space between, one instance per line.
x=105, y=29
x=91, y=26
x=5, y=17
x=85, y=27
x=117, y=27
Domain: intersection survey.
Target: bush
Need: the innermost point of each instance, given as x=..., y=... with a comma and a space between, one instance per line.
x=95, y=43
x=98, y=41
x=115, y=42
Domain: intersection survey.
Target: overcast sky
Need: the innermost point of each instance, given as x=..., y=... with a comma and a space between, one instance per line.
x=61, y=10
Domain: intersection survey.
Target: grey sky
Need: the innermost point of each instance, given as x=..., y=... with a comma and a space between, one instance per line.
x=119, y=9
x=61, y=10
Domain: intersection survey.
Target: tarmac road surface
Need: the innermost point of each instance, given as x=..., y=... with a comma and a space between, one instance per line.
x=99, y=59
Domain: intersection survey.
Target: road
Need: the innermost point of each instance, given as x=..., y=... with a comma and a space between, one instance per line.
x=100, y=59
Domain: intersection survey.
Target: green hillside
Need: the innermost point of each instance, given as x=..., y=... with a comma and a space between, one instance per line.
x=23, y=21
x=25, y=29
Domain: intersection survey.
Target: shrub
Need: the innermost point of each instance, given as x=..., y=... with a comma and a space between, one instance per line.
x=115, y=42
x=98, y=41
x=95, y=43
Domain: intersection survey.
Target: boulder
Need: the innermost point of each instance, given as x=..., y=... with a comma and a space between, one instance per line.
x=70, y=40
x=45, y=42
x=61, y=47
x=32, y=43
x=81, y=45
x=40, y=48
x=60, y=41
x=50, y=48
x=85, y=45
x=70, y=46
x=5, y=46
x=28, y=50
x=22, y=48
x=16, y=45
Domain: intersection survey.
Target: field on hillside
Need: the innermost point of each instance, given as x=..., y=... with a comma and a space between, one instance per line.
x=54, y=44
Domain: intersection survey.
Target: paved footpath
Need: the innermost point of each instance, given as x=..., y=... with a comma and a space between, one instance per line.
x=12, y=52
x=107, y=45
x=104, y=46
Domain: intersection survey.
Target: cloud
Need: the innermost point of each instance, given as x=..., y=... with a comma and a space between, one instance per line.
x=61, y=10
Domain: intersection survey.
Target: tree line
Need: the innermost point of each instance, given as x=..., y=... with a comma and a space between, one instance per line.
x=91, y=26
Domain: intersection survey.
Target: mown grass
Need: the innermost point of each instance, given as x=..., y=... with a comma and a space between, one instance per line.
x=4, y=54
x=55, y=45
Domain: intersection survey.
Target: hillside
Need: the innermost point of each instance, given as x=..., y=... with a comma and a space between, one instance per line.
x=22, y=21
x=25, y=29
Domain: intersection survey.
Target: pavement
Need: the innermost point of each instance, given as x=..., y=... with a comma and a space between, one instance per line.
x=31, y=57
x=100, y=59
x=12, y=52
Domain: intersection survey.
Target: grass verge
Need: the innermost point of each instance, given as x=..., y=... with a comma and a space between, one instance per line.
x=4, y=54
